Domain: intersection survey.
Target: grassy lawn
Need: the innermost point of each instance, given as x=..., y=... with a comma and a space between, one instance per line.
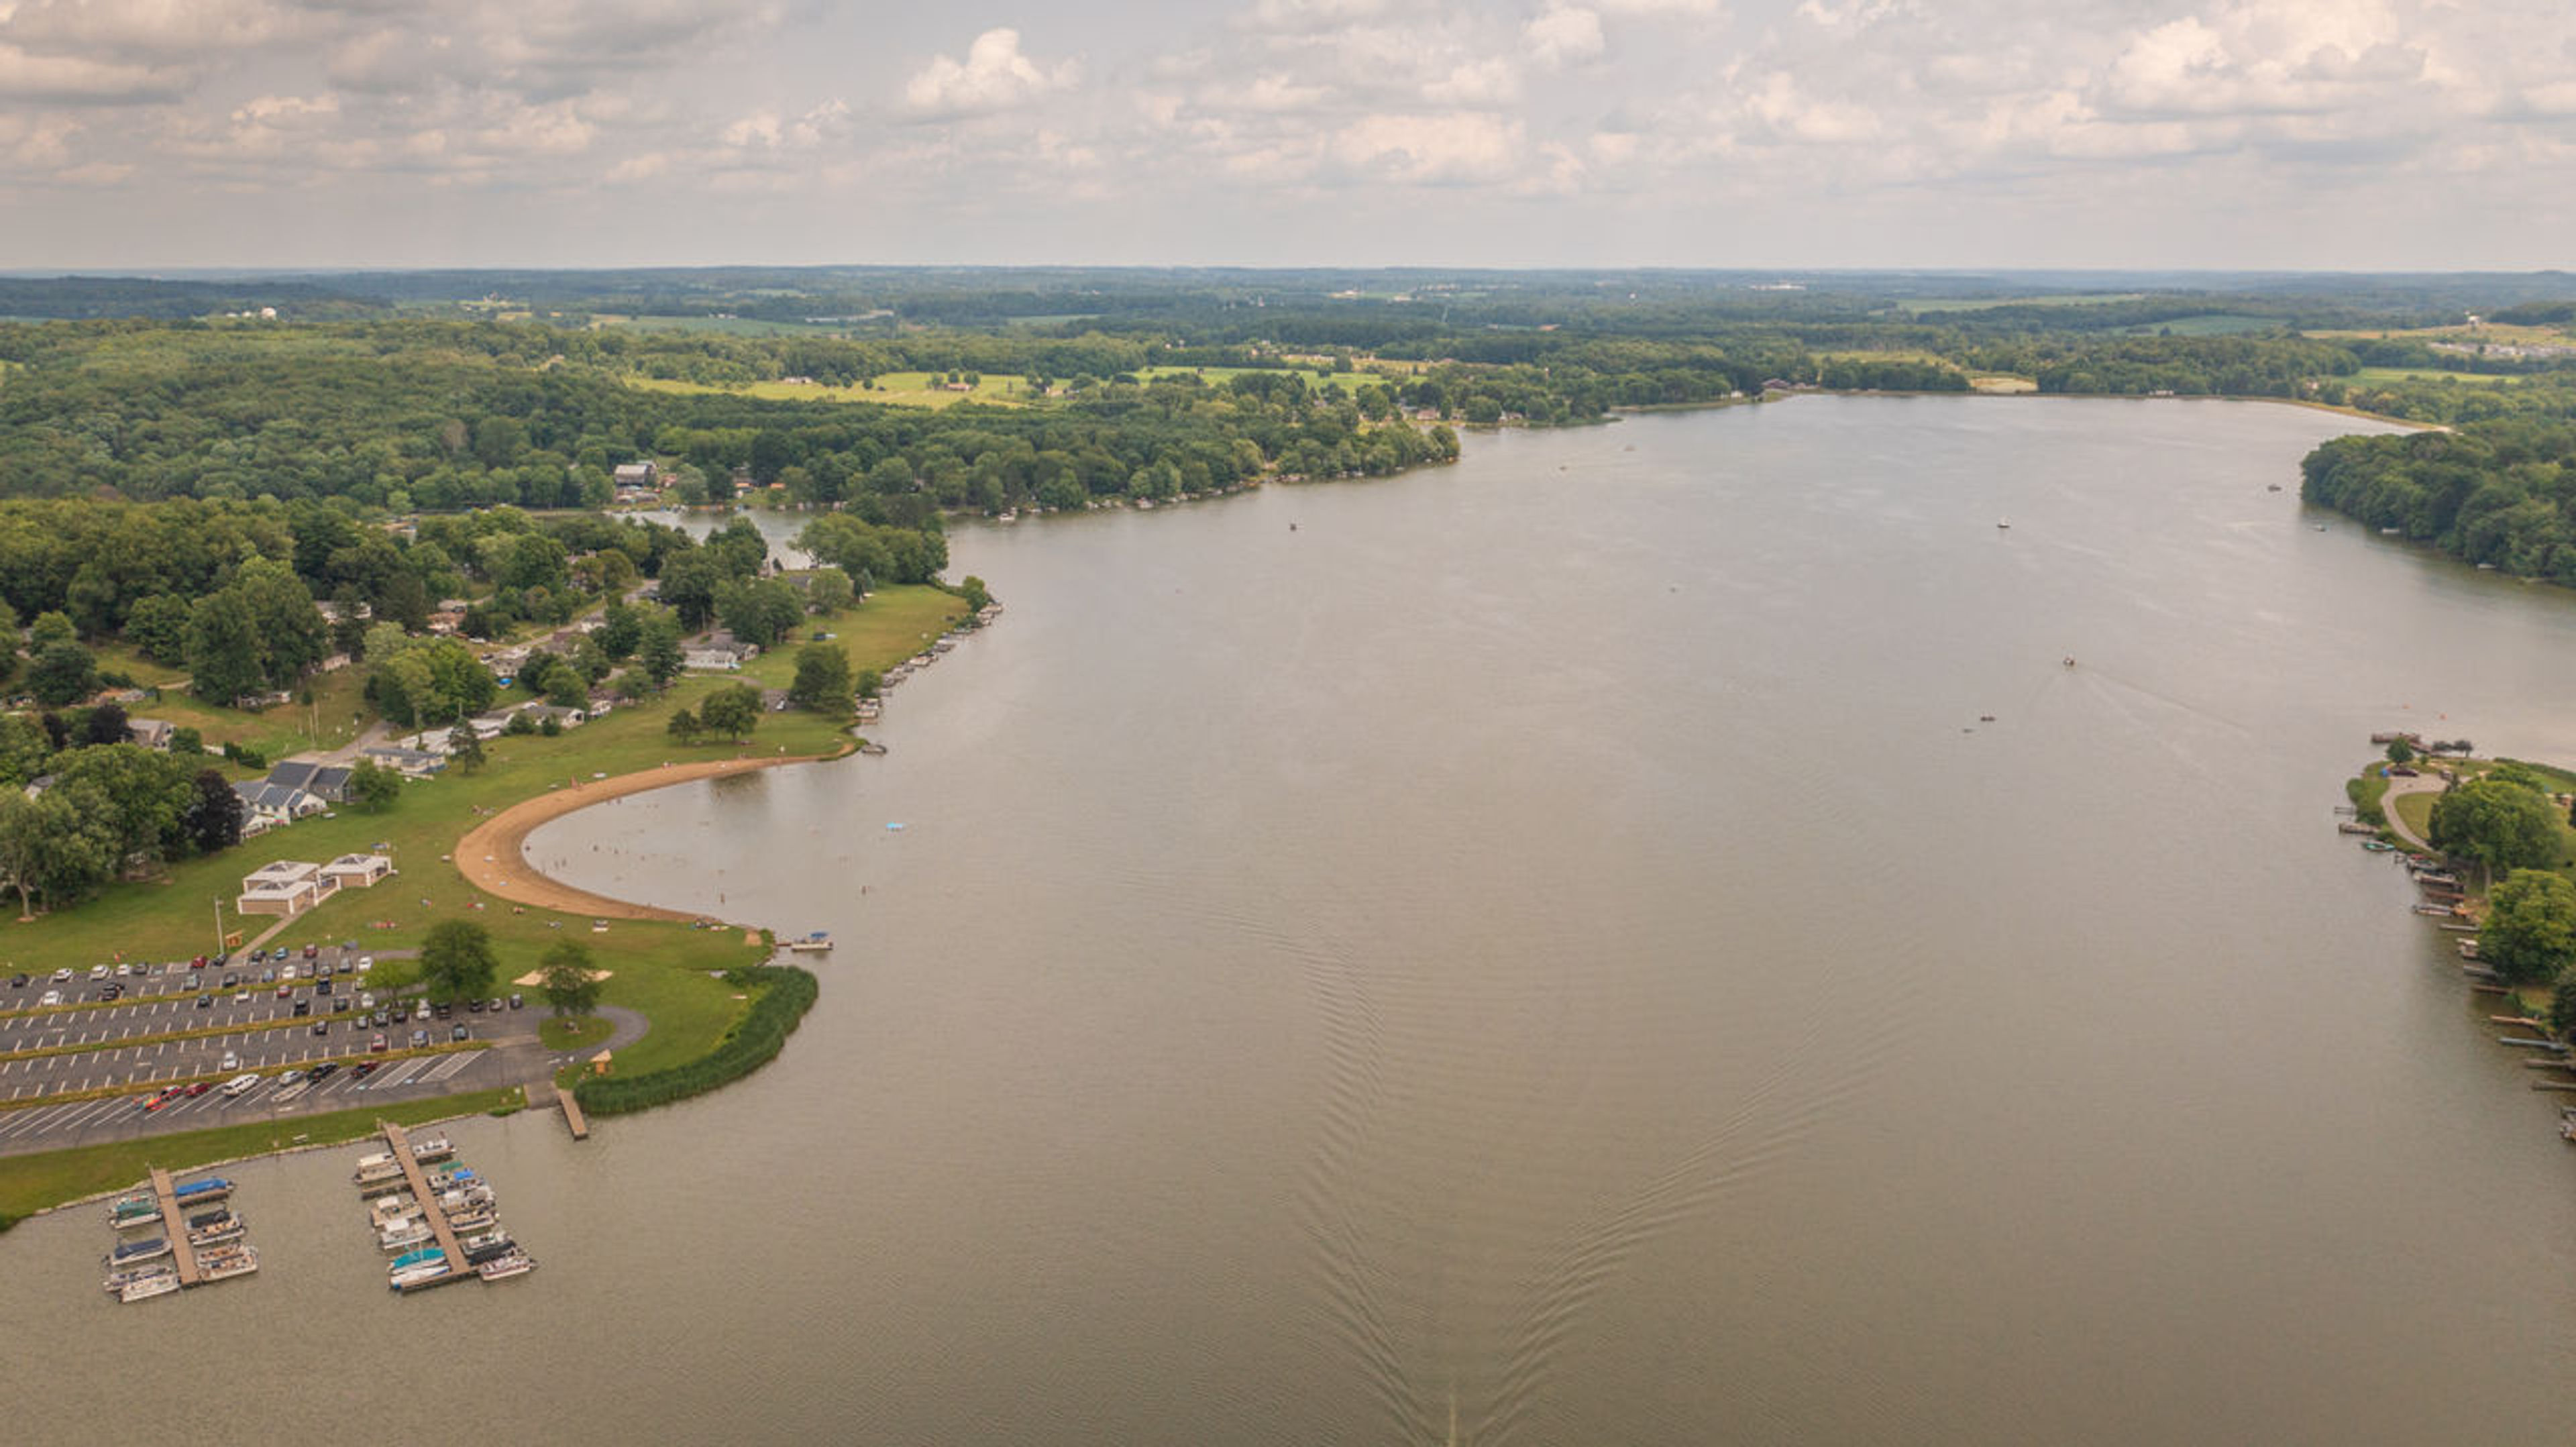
x=2417, y=812
x=894, y=624
x=337, y=714
x=2390, y=376
x=30, y=1183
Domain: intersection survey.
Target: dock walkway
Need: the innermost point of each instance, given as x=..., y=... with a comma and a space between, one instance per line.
x=399, y=1141
x=177, y=1225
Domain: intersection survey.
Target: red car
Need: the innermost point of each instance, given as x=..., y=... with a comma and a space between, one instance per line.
x=200, y=1088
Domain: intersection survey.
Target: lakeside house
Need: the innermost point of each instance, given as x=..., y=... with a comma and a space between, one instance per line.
x=327, y=782
x=275, y=804
x=287, y=887
x=411, y=763
x=718, y=652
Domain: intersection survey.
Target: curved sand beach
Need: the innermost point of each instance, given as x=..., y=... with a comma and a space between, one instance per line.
x=492, y=855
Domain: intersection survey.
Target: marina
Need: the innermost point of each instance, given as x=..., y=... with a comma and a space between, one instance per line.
x=423, y=1216
x=192, y=1249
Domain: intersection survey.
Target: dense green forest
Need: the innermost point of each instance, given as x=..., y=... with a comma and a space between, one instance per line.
x=2499, y=493
x=429, y=393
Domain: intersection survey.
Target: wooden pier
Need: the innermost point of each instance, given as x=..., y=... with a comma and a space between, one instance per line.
x=399, y=1142
x=177, y=1225
x=572, y=1115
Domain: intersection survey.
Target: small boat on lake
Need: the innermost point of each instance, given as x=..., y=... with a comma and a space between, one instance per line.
x=215, y=1228
x=410, y=1259
x=405, y=1234
x=516, y=1263
x=431, y=1148
x=140, y=1209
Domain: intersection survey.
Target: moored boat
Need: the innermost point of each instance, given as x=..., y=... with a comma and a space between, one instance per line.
x=410, y=1259
x=201, y=1191
x=517, y=1263
x=226, y=1262
x=140, y=1208
x=134, y=1253
x=213, y=1228
x=431, y=1148
x=149, y=1287
x=405, y=1234
x=117, y=1281
x=419, y=1276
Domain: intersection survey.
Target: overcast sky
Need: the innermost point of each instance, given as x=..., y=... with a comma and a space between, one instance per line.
x=2422, y=134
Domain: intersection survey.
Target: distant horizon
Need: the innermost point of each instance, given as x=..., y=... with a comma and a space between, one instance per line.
x=219, y=269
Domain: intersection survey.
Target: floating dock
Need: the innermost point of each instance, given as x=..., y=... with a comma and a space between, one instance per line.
x=177, y=1227
x=572, y=1115
x=399, y=1142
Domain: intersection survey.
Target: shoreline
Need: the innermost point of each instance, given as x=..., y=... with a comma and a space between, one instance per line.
x=493, y=854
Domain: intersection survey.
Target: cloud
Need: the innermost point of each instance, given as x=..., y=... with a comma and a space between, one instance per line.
x=26, y=76
x=1563, y=36
x=994, y=76
x=764, y=129
x=1455, y=149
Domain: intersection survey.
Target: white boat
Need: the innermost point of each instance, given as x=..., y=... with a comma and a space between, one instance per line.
x=141, y=1208
x=215, y=1228
x=135, y=1253
x=149, y=1287
x=517, y=1263
x=224, y=1263
x=431, y=1148
x=419, y=1275
x=404, y=1235
x=2003, y=524
x=472, y=1218
x=117, y=1281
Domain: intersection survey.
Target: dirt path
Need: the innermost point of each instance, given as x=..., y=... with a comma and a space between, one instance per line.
x=2427, y=782
x=492, y=854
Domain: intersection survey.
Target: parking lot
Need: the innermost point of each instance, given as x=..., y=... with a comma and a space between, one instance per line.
x=87, y=1122
x=280, y=1013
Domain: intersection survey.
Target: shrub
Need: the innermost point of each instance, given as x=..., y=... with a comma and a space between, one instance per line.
x=786, y=994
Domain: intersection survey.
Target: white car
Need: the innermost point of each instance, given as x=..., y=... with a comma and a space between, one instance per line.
x=52, y=997
x=366, y=963
x=98, y=972
x=231, y=1062
x=240, y=1083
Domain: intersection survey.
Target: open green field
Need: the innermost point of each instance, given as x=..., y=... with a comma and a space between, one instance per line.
x=337, y=714
x=1979, y=304
x=725, y=326
x=2393, y=376
x=897, y=389
x=2207, y=324
x=31, y=1183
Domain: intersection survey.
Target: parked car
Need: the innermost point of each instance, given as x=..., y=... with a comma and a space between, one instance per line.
x=459, y=1032
x=322, y=987
x=285, y=991
x=377, y=1045
x=98, y=972
x=231, y=1061
x=62, y=975
x=205, y=1002
x=303, y=1008
x=473, y=1007
x=366, y=963
x=516, y=1002
x=18, y=982
x=419, y=1037
x=365, y=1068
x=52, y=997
x=111, y=991
x=312, y=950
x=340, y=1006
x=322, y=1026
x=200, y=1088
x=326, y=1070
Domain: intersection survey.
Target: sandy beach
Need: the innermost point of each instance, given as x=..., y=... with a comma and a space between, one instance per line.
x=492, y=855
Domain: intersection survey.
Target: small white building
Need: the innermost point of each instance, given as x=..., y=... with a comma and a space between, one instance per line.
x=358, y=871
x=287, y=887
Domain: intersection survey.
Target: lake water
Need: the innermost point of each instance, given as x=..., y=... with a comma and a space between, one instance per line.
x=1543, y=951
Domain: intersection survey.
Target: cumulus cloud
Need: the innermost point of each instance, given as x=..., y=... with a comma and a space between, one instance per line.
x=1564, y=35
x=994, y=76
x=1460, y=148
x=28, y=76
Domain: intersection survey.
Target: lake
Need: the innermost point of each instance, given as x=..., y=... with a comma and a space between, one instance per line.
x=1552, y=949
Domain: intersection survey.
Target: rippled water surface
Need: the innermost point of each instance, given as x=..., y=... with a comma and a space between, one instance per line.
x=1546, y=950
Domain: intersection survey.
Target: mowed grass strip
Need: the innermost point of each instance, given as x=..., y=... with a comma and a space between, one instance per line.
x=31, y=1183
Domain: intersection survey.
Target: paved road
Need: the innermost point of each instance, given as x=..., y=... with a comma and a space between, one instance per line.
x=2424, y=783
